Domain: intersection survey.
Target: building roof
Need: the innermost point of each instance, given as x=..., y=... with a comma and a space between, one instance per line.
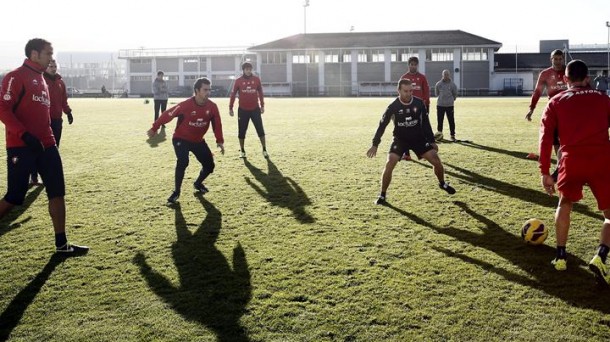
x=539, y=61
x=352, y=40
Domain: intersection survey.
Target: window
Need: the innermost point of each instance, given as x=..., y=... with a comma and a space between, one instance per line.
x=474, y=54
x=331, y=57
x=440, y=55
x=302, y=57
x=362, y=57
x=141, y=78
x=273, y=58
x=377, y=56
x=347, y=57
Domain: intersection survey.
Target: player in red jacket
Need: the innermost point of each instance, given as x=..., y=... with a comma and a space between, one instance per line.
x=24, y=110
x=195, y=116
x=59, y=105
x=580, y=116
x=421, y=88
x=251, y=107
x=550, y=79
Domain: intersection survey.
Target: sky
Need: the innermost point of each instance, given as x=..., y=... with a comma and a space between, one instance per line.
x=111, y=25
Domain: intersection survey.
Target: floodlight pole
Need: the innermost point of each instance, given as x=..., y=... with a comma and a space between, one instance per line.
x=305, y=5
x=608, y=47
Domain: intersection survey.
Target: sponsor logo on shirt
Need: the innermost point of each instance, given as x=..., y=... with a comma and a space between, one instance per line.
x=409, y=122
x=199, y=123
x=44, y=99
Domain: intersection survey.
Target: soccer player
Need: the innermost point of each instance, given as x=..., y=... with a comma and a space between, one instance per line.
x=160, y=94
x=412, y=131
x=447, y=92
x=59, y=105
x=25, y=111
x=581, y=116
x=421, y=88
x=251, y=107
x=195, y=115
x=552, y=80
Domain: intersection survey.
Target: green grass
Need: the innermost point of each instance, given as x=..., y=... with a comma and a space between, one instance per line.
x=293, y=249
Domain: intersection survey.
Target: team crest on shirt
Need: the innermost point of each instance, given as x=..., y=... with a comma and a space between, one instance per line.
x=194, y=113
x=7, y=97
x=14, y=160
x=35, y=82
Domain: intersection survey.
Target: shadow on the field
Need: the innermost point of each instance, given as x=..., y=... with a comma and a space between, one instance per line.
x=280, y=191
x=576, y=286
x=516, y=154
x=11, y=316
x=9, y=222
x=157, y=139
x=210, y=291
x=515, y=191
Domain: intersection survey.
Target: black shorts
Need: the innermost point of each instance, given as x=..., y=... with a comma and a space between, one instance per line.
x=21, y=161
x=401, y=147
x=243, y=119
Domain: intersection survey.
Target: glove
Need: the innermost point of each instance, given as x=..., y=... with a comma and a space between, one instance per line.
x=70, y=118
x=32, y=142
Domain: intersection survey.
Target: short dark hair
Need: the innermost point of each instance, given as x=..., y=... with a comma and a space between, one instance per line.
x=556, y=52
x=577, y=70
x=200, y=82
x=160, y=72
x=404, y=81
x=413, y=59
x=245, y=65
x=35, y=44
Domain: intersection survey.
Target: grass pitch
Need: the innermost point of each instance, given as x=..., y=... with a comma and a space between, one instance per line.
x=292, y=248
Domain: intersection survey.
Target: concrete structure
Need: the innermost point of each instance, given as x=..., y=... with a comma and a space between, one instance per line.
x=325, y=64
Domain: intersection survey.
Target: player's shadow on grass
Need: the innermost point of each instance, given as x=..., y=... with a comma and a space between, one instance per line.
x=157, y=139
x=13, y=313
x=9, y=222
x=280, y=190
x=210, y=291
x=515, y=191
x=516, y=154
x=576, y=286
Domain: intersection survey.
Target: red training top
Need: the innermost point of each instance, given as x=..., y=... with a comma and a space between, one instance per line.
x=421, y=88
x=250, y=93
x=550, y=79
x=25, y=105
x=582, y=117
x=193, y=120
x=58, y=95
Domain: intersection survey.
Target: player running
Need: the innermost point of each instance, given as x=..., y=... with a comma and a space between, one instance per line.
x=552, y=80
x=581, y=118
x=195, y=115
x=412, y=131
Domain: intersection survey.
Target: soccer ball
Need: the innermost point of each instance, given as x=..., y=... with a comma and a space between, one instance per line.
x=534, y=232
x=438, y=136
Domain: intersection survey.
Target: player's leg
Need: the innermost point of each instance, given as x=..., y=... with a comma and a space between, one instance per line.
x=21, y=162
x=162, y=108
x=57, y=127
x=181, y=148
x=431, y=155
x=600, y=187
x=440, y=117
x=386, y=176
x=51, y=170
x=243, y=120
x=257, y=120
x=157, y=107
x=562, y=227
x=451, y=120
x=204, y=156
